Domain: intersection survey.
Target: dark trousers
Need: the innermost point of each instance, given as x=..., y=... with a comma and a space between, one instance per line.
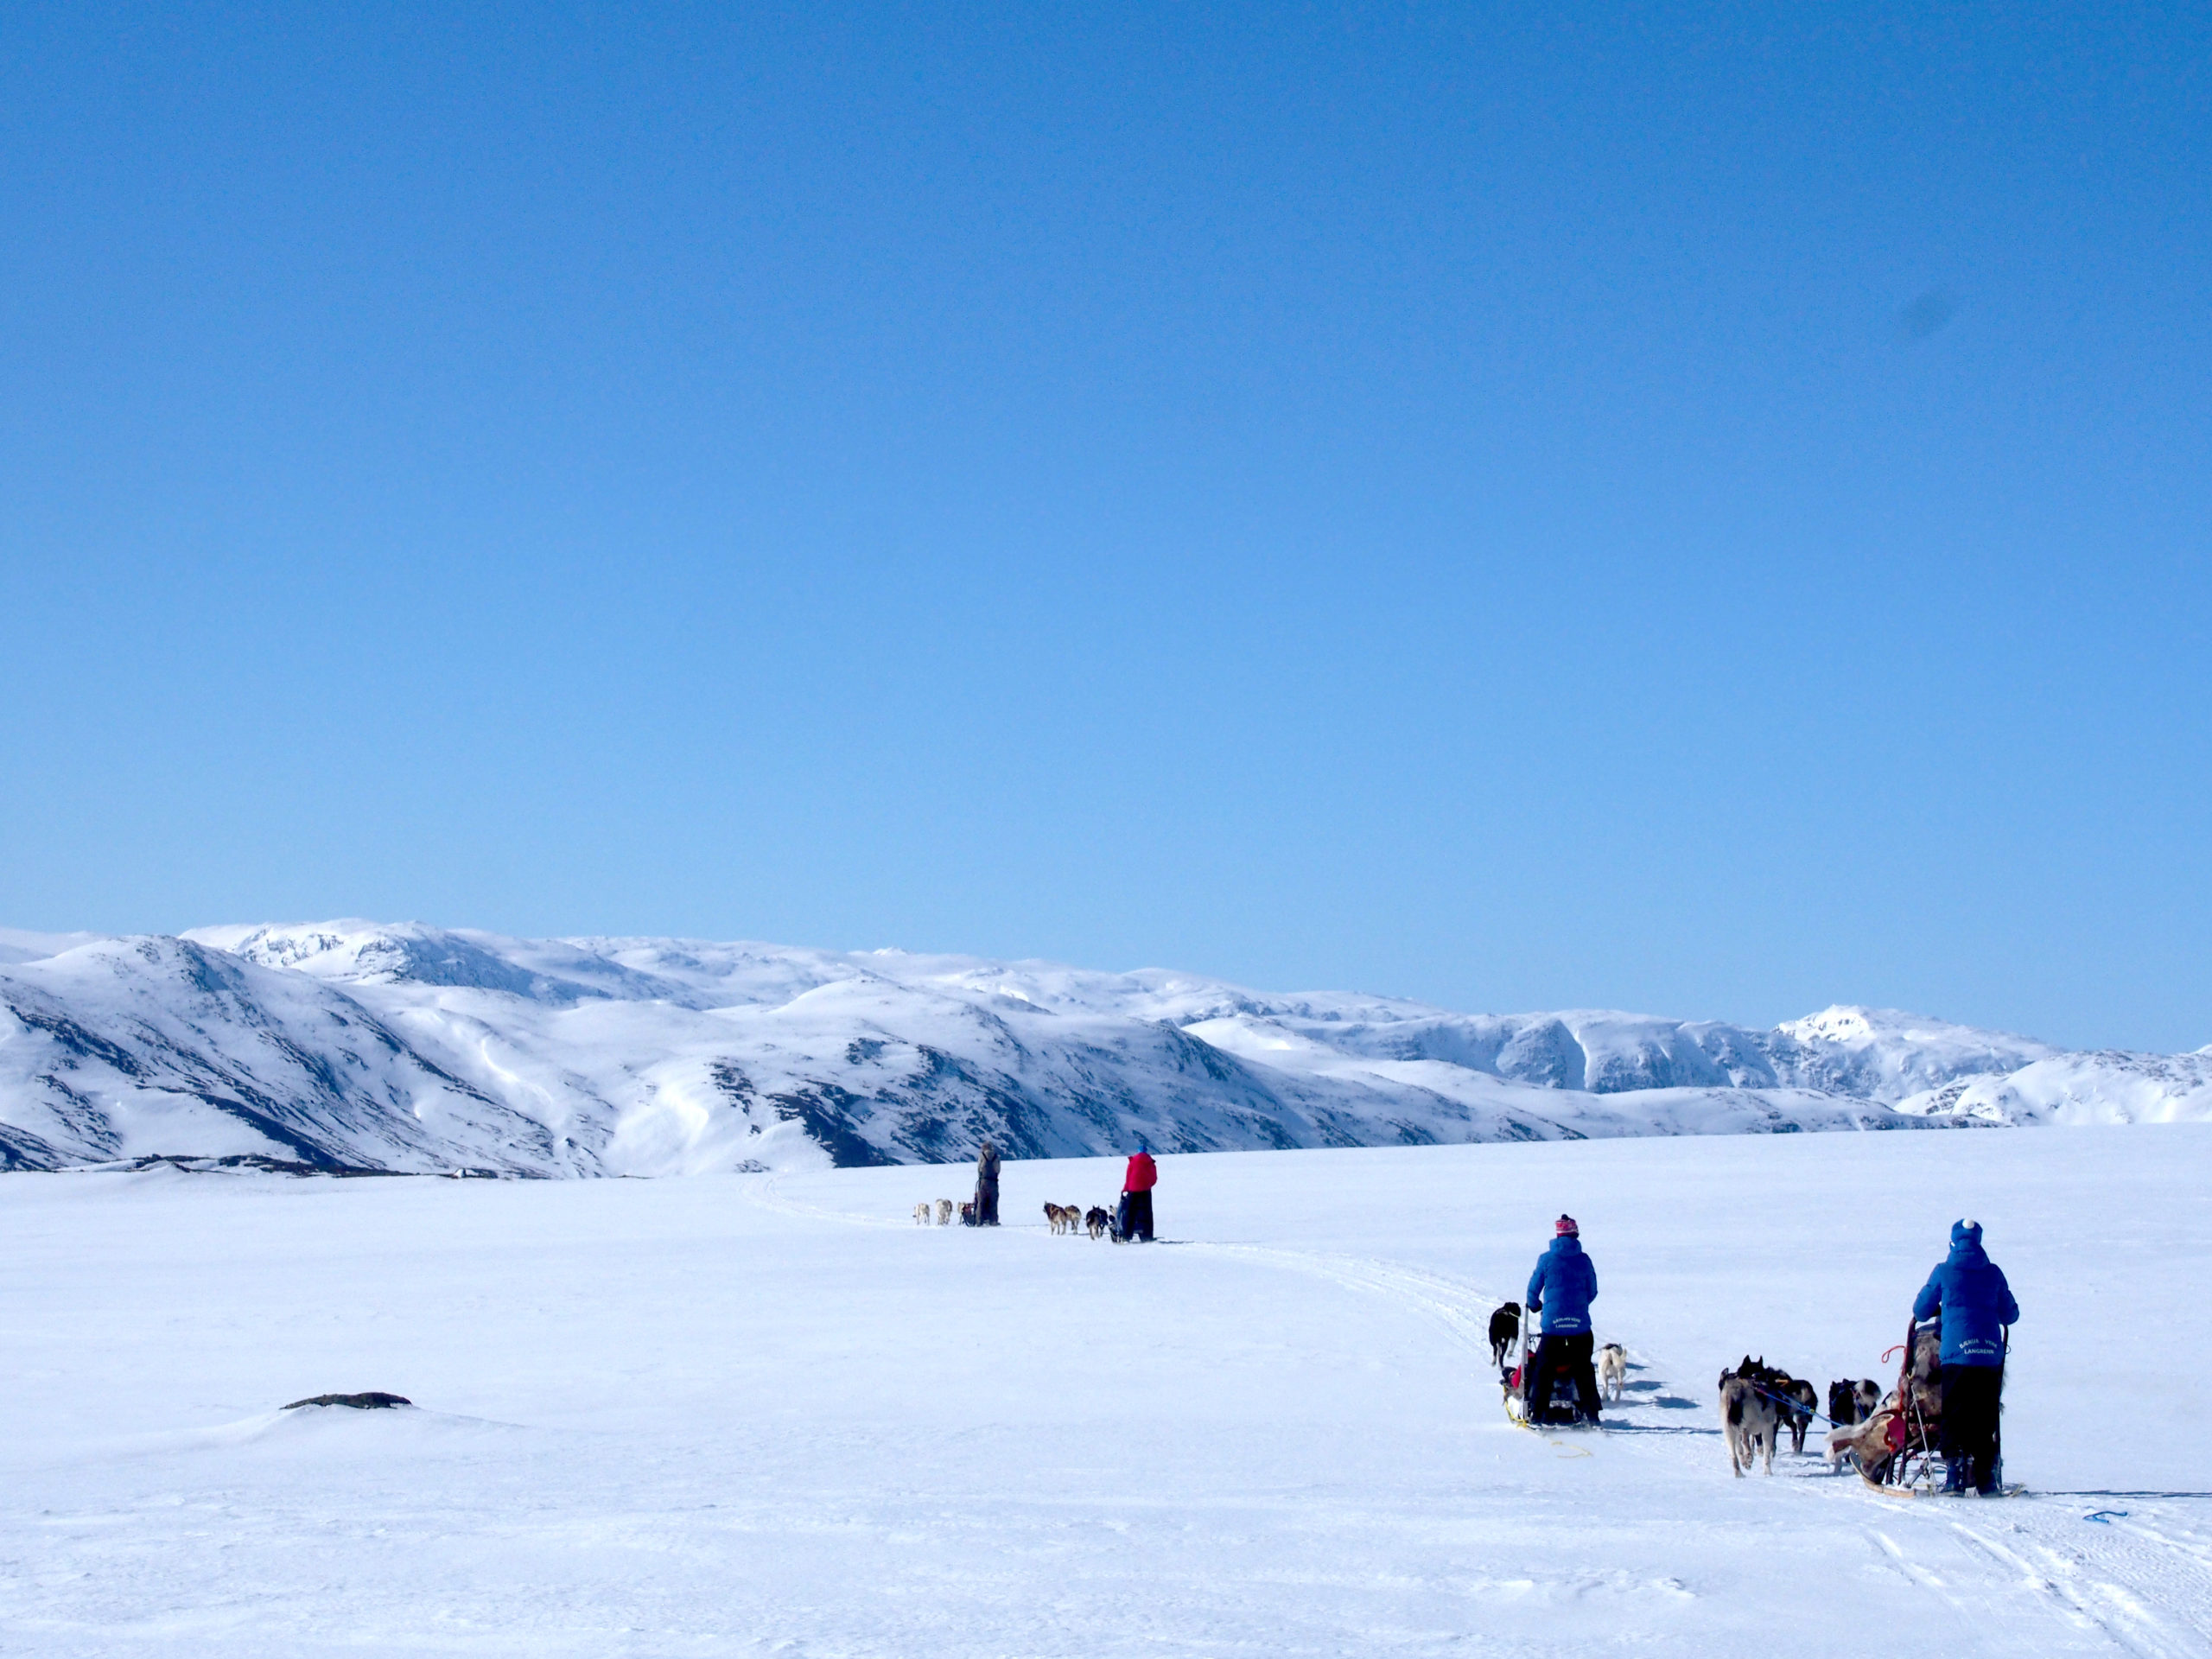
x=1561, y=1355
x=986, y=1203
x=1136, y=1215
x=1970, y=1396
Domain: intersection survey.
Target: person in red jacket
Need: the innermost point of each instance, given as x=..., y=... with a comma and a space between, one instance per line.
x=1136, y=1194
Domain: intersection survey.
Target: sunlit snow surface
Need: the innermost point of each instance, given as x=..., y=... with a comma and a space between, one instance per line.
x=768, y=1414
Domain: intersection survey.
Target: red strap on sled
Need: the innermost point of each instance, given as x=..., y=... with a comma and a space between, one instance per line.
x=1895, y=1433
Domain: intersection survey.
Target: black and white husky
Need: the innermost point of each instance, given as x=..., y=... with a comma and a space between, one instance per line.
x=1504, y=1331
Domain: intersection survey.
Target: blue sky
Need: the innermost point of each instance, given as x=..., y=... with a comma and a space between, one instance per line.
x=1695, y=509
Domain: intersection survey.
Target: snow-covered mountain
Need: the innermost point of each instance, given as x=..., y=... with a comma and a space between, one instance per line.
x=408, y=1048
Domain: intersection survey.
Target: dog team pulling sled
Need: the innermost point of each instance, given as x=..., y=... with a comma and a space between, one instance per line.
x=1946, y=1407
x=1129, y=1222
x=1947, y=1412
x=1944, y=1415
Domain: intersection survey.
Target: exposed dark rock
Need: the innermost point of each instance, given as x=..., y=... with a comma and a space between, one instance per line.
x=370, y=1401
x=203, y=1164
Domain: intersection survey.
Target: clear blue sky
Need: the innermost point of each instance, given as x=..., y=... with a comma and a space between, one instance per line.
x=1700, y=509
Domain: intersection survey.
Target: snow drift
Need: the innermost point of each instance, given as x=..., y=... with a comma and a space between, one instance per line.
x=357, y=1045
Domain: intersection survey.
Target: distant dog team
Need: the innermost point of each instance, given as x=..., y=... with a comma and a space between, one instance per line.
x=1068, y=1218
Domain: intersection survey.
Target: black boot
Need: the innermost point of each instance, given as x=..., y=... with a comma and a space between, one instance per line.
x=1955, y=1476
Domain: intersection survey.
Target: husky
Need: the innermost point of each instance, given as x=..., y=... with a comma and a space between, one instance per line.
x=1504, y=1331
x=1853, y=1402
x=1843, y=1404
x=944, y=1212
x=1095, y=1222
x=1612, y=1371
x=1055, y=1218
x=922, y=1213
x=1798, y=1403
x=1747, y=1421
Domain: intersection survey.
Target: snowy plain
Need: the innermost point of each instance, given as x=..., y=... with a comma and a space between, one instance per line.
x=756, y=1413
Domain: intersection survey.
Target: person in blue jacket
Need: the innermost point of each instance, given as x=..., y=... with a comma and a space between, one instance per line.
x=1561, y=1289
x=1968, y=1291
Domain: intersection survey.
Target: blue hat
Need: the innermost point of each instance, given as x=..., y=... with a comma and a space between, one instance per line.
x=1966, y=1233
x=1144, y=1146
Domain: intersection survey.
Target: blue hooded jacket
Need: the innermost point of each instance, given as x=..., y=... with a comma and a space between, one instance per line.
x=1969, y=1291
x=1562, y=1287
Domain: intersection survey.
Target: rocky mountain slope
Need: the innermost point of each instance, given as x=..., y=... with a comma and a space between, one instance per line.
x=412, y=1048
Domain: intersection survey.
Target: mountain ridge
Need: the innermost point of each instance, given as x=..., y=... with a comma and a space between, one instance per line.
x=407, y=1046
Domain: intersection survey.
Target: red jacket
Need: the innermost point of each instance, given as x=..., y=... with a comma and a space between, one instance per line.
x=1143, y=1174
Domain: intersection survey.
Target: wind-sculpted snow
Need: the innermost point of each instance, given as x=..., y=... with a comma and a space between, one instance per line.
x=407, y=1047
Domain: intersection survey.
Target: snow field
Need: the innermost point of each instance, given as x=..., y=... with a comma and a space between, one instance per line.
x=742, y=1415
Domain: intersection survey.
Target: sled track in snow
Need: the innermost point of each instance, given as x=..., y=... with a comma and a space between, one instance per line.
x=768, y=1192
x=1462, y=1311
x=2150, y=1592
x=2138, y=1582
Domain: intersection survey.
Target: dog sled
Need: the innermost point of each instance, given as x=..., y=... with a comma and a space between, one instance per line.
x=1899, y=1451
x=1518, y=1377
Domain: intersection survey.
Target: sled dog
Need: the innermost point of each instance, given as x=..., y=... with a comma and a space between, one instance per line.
x=922, y=1213
x=1796, y=1404
x=1504, y=1331
x=1095, y=1221
x=1612, y=1371
x=1843, y=1405
x=1747, y=1421
x=944, y=1212
x=1853, y=1402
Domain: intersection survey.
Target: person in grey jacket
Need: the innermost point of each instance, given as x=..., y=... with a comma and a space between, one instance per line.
x=987, y=1187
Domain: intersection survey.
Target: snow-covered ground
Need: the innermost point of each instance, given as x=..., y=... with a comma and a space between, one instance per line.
x=398, y=1046
x=737, y=1414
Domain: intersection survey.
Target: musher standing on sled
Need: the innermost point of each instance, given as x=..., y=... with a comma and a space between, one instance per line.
x=1968, y=1291
x=1562, y=1287
x=1136, y=1194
